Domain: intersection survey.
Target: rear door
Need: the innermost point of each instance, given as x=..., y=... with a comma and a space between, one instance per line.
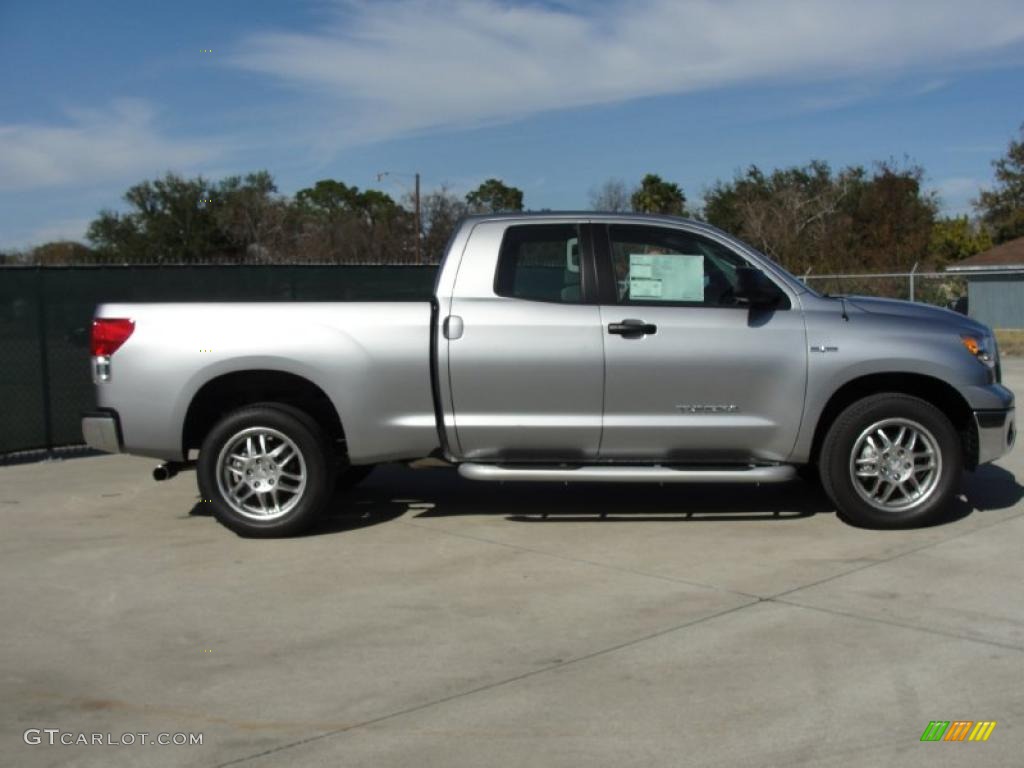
x=525, y=344
x=691, y=374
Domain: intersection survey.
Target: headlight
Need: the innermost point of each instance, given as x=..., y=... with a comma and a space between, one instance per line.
x=983, y=348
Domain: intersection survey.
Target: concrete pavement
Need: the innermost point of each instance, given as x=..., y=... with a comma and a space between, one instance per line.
x=461, y=624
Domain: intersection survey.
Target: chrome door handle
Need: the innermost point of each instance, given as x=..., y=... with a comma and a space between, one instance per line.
x=452, y=327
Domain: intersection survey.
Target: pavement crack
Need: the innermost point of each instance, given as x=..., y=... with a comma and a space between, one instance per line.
x=490, y=686
x=900, y=624
x=896, y=556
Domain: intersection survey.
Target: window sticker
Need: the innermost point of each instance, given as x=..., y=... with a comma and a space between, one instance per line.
x=666, y=277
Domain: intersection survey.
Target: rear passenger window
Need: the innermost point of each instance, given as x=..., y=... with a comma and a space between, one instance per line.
x=540, y=262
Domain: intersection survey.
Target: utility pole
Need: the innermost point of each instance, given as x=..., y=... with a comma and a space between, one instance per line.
x=416, y=209
x=419, y=260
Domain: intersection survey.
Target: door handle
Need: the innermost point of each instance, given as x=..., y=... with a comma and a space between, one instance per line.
x=452, y=327
x=632, y=329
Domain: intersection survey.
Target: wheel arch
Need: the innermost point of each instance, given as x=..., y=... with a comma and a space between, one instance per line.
x=942, y=395
x=237, y=389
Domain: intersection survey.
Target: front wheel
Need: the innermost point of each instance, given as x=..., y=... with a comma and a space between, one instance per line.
x=891, y=461
x=265, y=471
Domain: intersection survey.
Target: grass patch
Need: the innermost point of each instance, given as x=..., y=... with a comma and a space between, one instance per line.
x=1011, y=342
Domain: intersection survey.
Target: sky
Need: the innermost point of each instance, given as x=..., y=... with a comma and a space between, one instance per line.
x=552, y=97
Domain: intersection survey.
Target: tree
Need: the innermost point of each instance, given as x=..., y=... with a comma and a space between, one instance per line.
x=249, y=214
x=15, y=256
x=1002, y=207
x=327, y=198
x=809, y=217
x=172, y=220
x=955, y=238
x=658, y=196
x=331, y=199
x=440, y=211
x=612, y=196
x=791, y=214
x=891, y=218
x=340, y=223
x=61, y=252
x=494, y=196
x=118, y=236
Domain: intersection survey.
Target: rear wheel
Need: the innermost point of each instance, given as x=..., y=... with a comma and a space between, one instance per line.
x=265, y=470
x=891, y=460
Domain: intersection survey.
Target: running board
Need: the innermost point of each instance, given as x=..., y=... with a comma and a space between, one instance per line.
x=627, y=474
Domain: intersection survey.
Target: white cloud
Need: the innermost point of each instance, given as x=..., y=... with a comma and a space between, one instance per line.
x=94, y=146
x=931, y=86
x=837, y=99
x=393, y=67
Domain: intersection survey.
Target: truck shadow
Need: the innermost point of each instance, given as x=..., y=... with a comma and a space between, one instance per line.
x=395, y=491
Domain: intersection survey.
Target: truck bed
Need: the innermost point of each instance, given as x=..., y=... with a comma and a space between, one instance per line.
x=372, y=359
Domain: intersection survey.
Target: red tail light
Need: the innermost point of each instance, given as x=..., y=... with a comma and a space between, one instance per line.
x=108, y=334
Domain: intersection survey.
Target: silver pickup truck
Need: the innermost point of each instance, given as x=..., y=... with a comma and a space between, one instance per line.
x=560, y=347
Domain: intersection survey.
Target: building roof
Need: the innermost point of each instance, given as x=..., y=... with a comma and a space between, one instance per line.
x=1008, y=255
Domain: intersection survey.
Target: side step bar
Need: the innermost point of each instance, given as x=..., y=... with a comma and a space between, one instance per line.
x=628, y=474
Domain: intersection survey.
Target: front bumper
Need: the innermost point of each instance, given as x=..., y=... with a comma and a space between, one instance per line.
x=997, y=431
x=102, y=431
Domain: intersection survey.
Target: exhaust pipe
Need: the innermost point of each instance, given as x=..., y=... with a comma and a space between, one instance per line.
x=165, y=472
x=169, y=469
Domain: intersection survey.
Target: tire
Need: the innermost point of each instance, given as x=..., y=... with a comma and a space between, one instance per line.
x=274, y=498
x=881, y=477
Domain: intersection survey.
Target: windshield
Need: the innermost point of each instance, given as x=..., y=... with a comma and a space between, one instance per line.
x=767, y=262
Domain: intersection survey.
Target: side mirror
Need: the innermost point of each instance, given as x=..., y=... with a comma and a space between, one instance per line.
x=755, y=288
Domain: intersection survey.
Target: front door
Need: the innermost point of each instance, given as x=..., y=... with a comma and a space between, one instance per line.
x=527, y=366
x=691, y=373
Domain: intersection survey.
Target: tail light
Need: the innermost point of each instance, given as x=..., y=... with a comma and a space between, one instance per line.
x=108, y=334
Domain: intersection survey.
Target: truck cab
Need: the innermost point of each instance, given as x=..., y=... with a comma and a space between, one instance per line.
x=617, y=341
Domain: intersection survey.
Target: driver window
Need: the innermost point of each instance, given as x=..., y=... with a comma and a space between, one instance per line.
x=668, y=266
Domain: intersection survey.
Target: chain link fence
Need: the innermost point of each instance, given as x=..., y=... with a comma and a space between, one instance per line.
x=46, y=314
x=939, y=288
